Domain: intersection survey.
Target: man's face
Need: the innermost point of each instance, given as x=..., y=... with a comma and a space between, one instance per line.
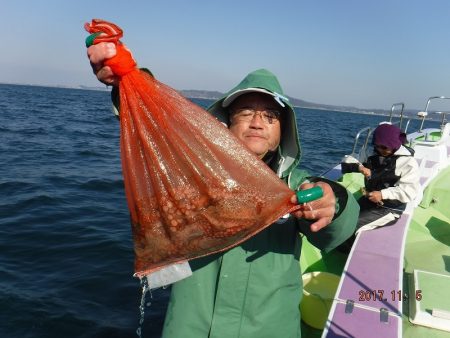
x=383, y=150
x=256, y=133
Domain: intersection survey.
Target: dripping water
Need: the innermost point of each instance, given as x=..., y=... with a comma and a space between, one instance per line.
x=145, y=289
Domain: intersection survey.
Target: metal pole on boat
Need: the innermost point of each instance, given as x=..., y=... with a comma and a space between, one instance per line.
x=443, y=119
x=364, y=147
x=426, y=110
x=432, y=98
x=401, y=113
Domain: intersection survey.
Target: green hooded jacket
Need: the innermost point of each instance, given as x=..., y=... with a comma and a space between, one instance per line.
x=254, y=289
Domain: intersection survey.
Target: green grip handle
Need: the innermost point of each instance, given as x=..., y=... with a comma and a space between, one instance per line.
x=90, y=39
x=308, y=195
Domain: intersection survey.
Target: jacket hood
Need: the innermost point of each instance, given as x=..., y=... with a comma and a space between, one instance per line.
x=262, y=80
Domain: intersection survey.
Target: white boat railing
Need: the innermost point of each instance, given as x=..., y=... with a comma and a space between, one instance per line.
x=400, y=122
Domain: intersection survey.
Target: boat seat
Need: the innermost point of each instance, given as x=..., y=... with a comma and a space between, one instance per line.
x=370, y=282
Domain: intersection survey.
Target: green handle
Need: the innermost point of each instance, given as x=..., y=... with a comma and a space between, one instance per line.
x=308, y=195
x=90, y=39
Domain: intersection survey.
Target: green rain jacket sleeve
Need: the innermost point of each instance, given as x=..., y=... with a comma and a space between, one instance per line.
x=344, y=222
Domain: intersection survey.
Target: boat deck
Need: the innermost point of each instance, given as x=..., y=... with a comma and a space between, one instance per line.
x=386, y=265
x=429, y=232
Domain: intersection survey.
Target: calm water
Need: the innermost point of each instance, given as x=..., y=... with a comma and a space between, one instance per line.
x=66, y=259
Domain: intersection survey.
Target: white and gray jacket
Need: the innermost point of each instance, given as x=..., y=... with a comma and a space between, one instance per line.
x=396, y=177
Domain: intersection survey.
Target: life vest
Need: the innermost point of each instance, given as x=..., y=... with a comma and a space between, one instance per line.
x=383, y=175
x=382, y=172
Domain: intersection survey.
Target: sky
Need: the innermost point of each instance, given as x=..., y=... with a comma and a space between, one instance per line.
x=361, y=53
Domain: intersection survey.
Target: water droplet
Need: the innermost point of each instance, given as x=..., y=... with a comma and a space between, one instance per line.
x=145, y=289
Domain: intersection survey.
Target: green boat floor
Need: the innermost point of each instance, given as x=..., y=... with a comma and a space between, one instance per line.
x=428, y=247
x=429, y=293
x=312, y=259
x=428, y=242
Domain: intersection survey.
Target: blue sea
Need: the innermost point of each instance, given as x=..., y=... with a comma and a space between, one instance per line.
x=66, y=255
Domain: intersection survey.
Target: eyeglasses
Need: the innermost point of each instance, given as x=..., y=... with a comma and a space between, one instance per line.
x=382, y=147
x=269, y=116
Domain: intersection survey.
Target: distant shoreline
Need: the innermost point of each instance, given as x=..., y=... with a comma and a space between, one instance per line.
x=214, y=95
x=197, y=94
x=97, y=88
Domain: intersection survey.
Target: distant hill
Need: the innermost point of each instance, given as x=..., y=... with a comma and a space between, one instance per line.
x=104, y=88
x=202, y=94
x=215, y=95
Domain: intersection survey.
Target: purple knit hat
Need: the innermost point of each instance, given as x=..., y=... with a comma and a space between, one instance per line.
x=388, y=135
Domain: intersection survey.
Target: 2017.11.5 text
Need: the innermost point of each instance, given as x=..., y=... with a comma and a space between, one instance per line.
x=381, y=295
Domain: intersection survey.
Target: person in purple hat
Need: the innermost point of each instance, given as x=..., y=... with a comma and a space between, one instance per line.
x=391, y=177
x=391, y=173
